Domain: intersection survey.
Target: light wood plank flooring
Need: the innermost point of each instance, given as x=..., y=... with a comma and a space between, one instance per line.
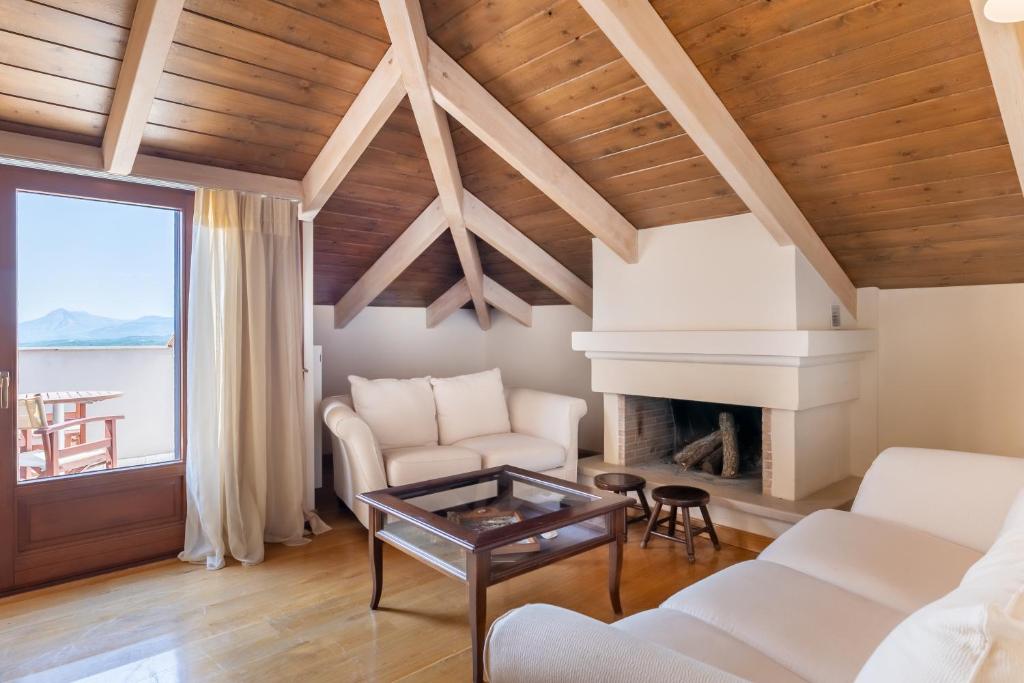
x=303, y=615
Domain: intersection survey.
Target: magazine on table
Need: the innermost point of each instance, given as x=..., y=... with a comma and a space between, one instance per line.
x=486, y=519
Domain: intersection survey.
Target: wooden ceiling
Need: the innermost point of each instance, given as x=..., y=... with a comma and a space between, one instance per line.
x=878, y=117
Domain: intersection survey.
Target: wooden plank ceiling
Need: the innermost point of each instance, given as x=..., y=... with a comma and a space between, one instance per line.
x=877, y=116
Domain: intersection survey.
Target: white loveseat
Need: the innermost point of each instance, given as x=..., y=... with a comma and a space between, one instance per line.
x=540, y=432
x=822, y=598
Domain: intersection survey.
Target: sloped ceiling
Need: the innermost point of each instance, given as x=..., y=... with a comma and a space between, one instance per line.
x=878, y=118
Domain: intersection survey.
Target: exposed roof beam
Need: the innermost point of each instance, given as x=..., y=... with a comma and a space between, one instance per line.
x=504, y=237
x=478, y=110
x=507, y=302
x=1003, y=45
x=402, y=252
x=457, y=296
x=649, y=47
x=150, y=39
x=452, y=300
x=404, y=20
x=368, y=112
x=74, y=157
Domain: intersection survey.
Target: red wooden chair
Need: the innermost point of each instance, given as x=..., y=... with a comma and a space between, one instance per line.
x=53, y=455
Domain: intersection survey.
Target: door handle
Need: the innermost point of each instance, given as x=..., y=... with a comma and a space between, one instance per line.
x=5, y=389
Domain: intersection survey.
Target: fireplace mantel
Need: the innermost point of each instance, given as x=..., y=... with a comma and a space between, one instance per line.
x=787, y=348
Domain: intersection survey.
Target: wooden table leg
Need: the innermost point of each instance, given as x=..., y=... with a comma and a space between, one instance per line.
x=478, y=574
x=615, y=559
x=376, y=556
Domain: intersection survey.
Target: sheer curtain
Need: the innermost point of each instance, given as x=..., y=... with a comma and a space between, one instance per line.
x=244, y=471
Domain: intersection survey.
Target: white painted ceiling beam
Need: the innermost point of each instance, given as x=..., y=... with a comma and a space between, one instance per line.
x=522, y=251
x=367, y=114
x=452, y=300
x=71, y=157
x=648, y=46
x=404, y=20
x=458, y=296
x=507, y=302
x=427, y=227
x=469, y=102
x=149, y=41
x=1003, y=45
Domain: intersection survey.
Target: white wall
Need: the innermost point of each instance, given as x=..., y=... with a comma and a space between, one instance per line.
x=395, y=342
x=145, y=375
x=718, y=274
x=951, y=368
x=540, y=357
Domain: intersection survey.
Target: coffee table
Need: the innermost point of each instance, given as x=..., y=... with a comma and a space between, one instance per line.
x=438, y=523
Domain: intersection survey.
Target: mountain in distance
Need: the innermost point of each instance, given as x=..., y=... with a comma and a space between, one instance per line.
x=62, y=327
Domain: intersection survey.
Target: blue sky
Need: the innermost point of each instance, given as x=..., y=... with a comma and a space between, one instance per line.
x=114, y=260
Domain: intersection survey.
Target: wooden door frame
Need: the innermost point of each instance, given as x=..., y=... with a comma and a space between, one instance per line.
x=130, y=543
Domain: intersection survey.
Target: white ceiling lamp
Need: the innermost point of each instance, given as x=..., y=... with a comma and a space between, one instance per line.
x=1004, y=11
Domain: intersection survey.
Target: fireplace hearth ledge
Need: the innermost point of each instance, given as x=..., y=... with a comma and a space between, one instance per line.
x=735, y=504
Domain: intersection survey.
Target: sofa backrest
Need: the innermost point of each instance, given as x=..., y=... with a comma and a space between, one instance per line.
x=962, y=497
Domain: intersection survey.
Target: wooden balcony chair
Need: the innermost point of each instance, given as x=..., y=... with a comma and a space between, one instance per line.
x=42, y=451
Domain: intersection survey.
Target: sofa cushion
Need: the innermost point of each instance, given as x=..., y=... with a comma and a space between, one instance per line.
x=470, y=405
x=895, y=565
x=962, y=497
x=528, y=452
x=400, y=412
x=419, y=463
x=975, y=633
x=817, y=630
x=698, y=639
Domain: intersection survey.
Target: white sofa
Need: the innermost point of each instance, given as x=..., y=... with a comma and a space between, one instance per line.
x=821, y=598
x=543, y=438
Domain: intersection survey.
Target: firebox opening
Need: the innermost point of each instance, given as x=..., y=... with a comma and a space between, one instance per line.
x=716, y=438
x=693, y=438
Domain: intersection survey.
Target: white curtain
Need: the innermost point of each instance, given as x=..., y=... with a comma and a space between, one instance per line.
x=244, y=470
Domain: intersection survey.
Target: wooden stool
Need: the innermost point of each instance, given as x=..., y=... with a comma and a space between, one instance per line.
x=622, y=483
x=684, y=497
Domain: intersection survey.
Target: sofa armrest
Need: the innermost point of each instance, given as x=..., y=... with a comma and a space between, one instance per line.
x=962, y=497
x=550, y=416
x=358, y=463
x=542, y=643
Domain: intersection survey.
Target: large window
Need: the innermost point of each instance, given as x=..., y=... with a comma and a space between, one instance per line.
x=98, y=325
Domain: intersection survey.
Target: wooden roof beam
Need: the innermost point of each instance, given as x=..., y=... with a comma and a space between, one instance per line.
x=87, y=159
x=522, y=251
x=420, y=234
x=367, y=114
x=458, y=296
x=469, y=102
x=1003, y=45
x=404, y=21
x=507, y=302
x=145, y=54
x=452, y=300
x=649, y=47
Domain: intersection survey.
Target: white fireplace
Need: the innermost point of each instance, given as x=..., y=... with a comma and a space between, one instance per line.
x=804, y=380
x=715, y=311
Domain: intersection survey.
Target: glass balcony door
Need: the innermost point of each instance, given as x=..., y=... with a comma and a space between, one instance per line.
x=93, y=277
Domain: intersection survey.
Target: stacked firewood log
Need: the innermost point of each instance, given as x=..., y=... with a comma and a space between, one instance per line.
x=716, y=453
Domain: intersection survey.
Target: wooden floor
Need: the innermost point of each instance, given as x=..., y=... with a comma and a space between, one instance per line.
x=303, y=615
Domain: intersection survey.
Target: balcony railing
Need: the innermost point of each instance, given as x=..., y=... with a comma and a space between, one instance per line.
x=144, y=376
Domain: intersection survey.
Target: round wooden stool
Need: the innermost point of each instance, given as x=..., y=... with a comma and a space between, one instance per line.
x=622, y=483
x=676, y=497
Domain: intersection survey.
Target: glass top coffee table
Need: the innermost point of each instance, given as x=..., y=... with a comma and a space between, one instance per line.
x=487, y=526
